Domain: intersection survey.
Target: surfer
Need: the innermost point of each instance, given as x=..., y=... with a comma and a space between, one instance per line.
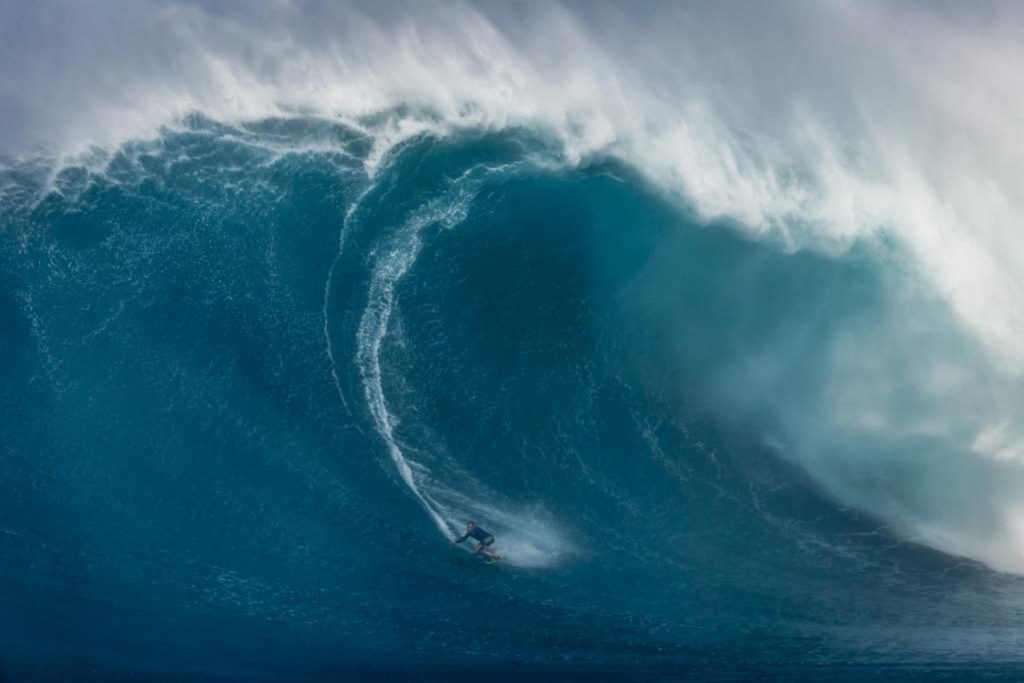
x=485, y=539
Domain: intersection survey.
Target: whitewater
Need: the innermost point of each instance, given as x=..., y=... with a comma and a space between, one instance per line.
x=710, y=314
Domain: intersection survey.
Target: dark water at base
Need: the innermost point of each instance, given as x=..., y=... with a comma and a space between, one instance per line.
x=229, y=451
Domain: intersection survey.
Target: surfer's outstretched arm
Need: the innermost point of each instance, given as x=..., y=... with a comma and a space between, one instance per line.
x=470, y=528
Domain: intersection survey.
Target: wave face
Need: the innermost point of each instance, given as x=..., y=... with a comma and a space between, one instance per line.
x=737, y=388
x=253, y=390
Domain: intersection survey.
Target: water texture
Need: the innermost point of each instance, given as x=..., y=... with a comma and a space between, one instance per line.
x=732, y=409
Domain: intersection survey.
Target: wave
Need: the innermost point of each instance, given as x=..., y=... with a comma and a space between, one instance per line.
x=911, y=430
x=632, y=400
x=727, y=338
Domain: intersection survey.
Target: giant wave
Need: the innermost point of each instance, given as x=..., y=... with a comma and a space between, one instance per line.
x=735, y=386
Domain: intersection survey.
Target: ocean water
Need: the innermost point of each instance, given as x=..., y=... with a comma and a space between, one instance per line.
x=721, y=341
x=251, y=392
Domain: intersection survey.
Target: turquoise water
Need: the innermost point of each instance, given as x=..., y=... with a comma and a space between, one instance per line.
x=251, y=389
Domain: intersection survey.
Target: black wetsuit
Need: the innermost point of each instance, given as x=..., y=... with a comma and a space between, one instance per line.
x=479, y=534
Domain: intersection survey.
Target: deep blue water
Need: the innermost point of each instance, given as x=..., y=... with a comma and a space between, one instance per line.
x=250, y=390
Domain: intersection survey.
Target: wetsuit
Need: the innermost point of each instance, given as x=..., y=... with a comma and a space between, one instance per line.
x=478, y=534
